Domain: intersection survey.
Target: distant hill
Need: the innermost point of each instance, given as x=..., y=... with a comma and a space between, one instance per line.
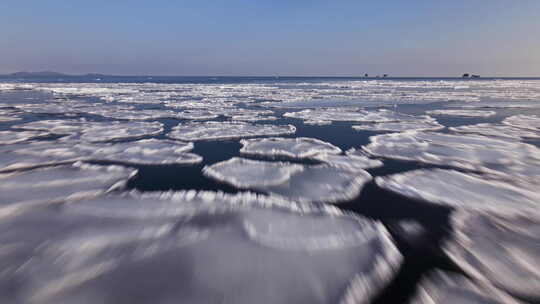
x=36, y=74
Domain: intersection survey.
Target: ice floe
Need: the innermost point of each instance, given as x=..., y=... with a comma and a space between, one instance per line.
x=353, y=161
x=461, y=190
x=144, y=152
x=500, y=248
x=61, y=127
x=120, y=130
x=104, y=249
x=54, y=184
x=497, y=130
x=451, y=288
x=299, y=147
x=13, y=137
x=462, y=113
x=530, y=122
x=463, y=151
x=400, y=126
x=320, y=183
x=354, y=115
x=214, y=130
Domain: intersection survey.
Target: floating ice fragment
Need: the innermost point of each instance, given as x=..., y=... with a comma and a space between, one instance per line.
x=497, y=130
x=354, y=115
x=197, y=114
x=83, y=253
x=13, y=137
x=121, y=130
x=55, y=126
x=351, y=161
x=401, y=126
x=462, y=113
x=456, y=189
x=502, y=248
x=214, y=130
x=299, y=147
x=317, y=122
x=532, y=104
x=452, y=288
x=530, y=122
x=462, y=151
x=321, y=183
x=54, y=184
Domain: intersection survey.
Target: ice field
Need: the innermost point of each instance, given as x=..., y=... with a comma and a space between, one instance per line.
x=269, y=190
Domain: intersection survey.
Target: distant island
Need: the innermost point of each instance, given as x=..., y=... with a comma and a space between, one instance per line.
x=44, y=74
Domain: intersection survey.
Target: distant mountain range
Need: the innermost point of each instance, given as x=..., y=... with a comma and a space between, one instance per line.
x=46, y=74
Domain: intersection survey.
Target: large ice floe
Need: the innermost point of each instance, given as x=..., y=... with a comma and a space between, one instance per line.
x=500, y=248
x=497, y=130
x=463, y=151
x=462, y=113
x=400, y=126
x=461, y=190
x=214, y=130
x=13, y=137
x=55, y=184
x=354, y=160
x=143, y=152
x=529, y=122
x=319, y=183
x=55, y=126
x=355, y=115
x=438, y=287
x=193, y=247
x=299, y=147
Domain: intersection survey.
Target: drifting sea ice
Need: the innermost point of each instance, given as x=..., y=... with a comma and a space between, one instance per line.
x=452, y=288
x=354, y=115
x=502, y=248
x=60, y=127
x=527, y=104
x=317, y=122
x=530, y=122
x=320, y=183
x=211, y=242
x=146, y=151
x=462, y=113
x=353, y=161
x=461, y=190
x=497, y=130
x=299, y=147
x=213, y=130
x=196, y=114
x=15, y=161
x=462, y=151
x=13, y=137
x=54, y=184
x=400, y=126
x=120, y=130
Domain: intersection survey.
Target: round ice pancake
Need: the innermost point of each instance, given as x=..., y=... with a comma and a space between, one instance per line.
x=502, y=248
x=199, y=252
x=462, y=113
x=320, y=183
x=298, y=147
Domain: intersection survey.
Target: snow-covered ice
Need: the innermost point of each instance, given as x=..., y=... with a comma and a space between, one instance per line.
x=497, y=130
x=530, y=122
x=452, y=288
x=210, y=242
x=460, y=190
x=214, y=130
x=462, y=113
x=355, y=115
x=400, y=126
x=319, y=183
x=299, y=147
x=13, y=137
x=501, y=248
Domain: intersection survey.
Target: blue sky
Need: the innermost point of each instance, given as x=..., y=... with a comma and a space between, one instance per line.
x=242, y=37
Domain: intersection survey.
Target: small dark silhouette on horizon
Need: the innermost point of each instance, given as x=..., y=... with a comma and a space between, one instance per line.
x=466, y=75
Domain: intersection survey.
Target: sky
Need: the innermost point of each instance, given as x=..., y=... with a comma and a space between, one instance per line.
x=273, y=37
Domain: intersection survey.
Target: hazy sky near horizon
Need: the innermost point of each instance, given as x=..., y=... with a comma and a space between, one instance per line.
x=277, y=37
